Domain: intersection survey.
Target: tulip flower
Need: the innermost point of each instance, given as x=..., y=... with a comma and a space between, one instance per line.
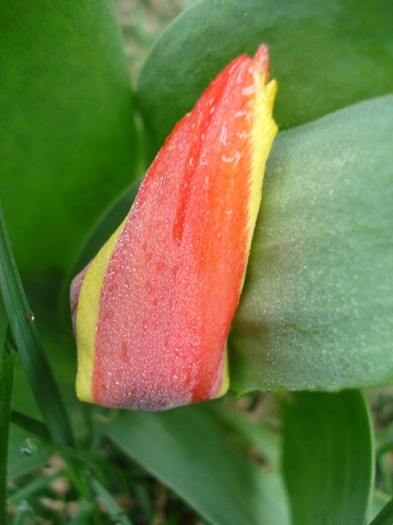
x=152, y=311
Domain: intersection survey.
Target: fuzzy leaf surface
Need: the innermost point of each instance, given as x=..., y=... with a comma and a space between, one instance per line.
x=316, y=311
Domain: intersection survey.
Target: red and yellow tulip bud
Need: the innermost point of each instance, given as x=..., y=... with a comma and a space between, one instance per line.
x=153, y=310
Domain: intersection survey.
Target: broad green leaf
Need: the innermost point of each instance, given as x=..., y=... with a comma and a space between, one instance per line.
x=66, y=125
x=186, y=449
x=324, y=55
x=328, y=458
x=316, y=312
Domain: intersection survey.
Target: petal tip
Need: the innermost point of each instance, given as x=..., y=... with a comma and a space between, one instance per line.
x=262, y=58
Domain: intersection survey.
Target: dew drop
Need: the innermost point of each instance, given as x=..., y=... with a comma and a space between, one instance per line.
x=28, y=448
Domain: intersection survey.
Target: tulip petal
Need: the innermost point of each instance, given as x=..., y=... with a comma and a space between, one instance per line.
x=154, y=308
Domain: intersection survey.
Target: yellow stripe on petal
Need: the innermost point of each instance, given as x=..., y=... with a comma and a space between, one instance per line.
x=264, y=131
x=225, y=375
x=263, y=134
x=87, y=316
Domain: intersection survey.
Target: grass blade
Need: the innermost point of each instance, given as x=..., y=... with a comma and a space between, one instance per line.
x=26, y=337
x=7, y=366
x=30, y=424
x=37, y=485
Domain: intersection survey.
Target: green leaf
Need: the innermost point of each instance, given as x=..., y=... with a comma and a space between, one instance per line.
x=324, y=55
x=22, y=324
x=316, y=311
x=186, y=449
x=385, y=517
x=67, y=135
x=30, y=424
x=328, y=458
x=3, y=326
x=7, y=365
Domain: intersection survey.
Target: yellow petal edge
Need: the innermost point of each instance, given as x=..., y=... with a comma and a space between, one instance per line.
x=87, y=316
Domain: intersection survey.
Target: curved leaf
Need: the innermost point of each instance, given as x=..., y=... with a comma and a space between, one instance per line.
x=67, y=129
x=316, y=312
x=324, y=55
x=186, y=449
x=328, y=458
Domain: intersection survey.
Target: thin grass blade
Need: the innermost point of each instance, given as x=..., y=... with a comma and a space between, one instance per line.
x=30, y=424
x=7, y=366
x=25, y=333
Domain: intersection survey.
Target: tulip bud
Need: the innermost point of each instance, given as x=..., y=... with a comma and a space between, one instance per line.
x=153, y=309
